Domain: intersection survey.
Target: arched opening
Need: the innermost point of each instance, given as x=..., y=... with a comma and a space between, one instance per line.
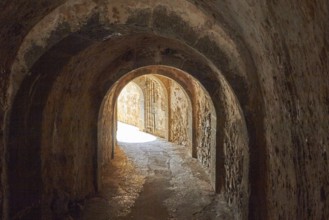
x=164, y=108
x=189, y=113
x=106, y=127
x=187, y=107
x=61, y=89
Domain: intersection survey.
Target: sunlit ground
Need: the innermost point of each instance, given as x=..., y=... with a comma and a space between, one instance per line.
x=131, y=134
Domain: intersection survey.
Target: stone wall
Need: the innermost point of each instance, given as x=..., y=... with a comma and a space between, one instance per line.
x=3, y=107
x=272, y=54
x=180, y=116
x=206, y=123
x=106, y=131
x=130, y=105
x=153, y=110
x=236, y=156
x=289, y=44
x=156, y=107
x=68, y=151
x=144, y=104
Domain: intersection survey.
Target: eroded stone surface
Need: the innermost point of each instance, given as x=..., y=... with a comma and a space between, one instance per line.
x=156, y=180
x=131, y=105
x=273, y=56
x=180, y=116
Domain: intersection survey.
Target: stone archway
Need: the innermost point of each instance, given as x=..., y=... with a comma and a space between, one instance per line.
x=273, y=55
x=230, y=141
x=79, y=126
x=87, y=87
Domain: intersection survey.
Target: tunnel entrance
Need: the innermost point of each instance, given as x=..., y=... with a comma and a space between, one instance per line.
x=55, y=139
x=63, y=148
x=159, y=125
x=157, y=105
x=62, y=123
x=143, y=103
x=179, y=112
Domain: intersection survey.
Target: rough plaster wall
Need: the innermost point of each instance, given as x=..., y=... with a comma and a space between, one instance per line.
x=106, y=130
x=236, y=156
x=129, y=105
x=206, y=126
x=3, y=108
x=180, y=113
x=67, y=144
x=3, y=99
x=289, y=43
x=160, y=109
x=300, y=88
x=235, y=143
x=156, y=106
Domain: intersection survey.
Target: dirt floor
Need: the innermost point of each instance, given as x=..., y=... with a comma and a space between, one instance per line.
x=155, y=180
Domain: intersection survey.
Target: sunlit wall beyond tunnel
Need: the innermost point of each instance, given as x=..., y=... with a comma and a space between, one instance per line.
x=130, y=106
x=219, y=137
x=160, y=106
x=157, y=105
x=180, y=111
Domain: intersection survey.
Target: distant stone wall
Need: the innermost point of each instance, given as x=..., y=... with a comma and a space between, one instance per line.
x=156, y=107
x=130, y=105
x=180, y=116
x=144, y=104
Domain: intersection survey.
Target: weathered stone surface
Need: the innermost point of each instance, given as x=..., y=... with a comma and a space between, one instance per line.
x=206, y=122
x=155, y=180
x=180, y=116
x=130, y=105
x=264, y=64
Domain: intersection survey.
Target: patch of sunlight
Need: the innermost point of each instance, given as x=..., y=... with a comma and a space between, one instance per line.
x=131, y=134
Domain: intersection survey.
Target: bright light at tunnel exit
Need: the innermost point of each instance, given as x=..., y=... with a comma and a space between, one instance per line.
x=131, y=134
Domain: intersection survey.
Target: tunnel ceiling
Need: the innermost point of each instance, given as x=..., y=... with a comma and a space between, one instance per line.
x=131, y=40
